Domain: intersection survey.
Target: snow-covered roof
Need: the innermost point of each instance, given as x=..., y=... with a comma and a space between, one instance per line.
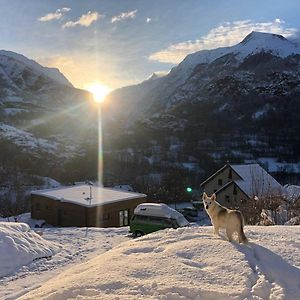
x=256, y=181
x=80, y=194
x=292, y=192
x=157, y=209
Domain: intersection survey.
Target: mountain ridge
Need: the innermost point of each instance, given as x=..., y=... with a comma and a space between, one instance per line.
x=52, y=73
x=255, y=42
x=216, y=106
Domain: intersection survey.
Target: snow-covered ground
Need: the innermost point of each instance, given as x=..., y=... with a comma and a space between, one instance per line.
x=273, y=166
x=19, y=245
x=187, y=263
x=78, y=245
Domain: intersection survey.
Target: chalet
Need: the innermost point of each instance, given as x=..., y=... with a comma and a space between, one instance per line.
x=235, y=185
x=85, y=205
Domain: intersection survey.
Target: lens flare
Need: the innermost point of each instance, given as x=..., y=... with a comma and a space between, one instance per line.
x=98, y=90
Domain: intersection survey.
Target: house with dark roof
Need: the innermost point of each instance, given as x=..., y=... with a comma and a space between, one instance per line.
x=237, y=186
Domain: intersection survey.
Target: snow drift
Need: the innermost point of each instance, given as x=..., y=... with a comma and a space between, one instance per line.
x=187, y=263
x=19, y=246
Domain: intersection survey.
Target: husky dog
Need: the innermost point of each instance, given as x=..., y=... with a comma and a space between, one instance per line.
x=222, y=217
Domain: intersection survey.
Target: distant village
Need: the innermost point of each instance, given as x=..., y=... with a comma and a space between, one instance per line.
x=246, y=187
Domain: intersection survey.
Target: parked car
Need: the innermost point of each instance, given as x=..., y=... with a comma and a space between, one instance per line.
x=190, y=213
x=198, y=204
x=150, y=217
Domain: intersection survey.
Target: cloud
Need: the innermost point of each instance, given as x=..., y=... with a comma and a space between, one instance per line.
x=227, y=34
x=124, y=16
x=58, y=14
x=85, y=20
x=148, y=20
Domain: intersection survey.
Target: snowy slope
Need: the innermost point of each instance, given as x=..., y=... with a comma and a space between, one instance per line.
x=78, y=245
x=25, y=139
x=255, y=42
x=39, y=107
x=189, y=263
x=20, y=246
x=14, y=64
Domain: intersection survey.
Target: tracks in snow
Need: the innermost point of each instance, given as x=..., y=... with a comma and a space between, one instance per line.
x=274, y=277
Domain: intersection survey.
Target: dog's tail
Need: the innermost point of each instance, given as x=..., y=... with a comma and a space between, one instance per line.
x=242, y=237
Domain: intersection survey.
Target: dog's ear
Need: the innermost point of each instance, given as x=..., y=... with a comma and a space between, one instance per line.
x=213, y=197
x=204, y=196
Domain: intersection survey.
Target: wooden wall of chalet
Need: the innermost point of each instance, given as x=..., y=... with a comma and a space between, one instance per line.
x=234, y=198
x=65, y=214
x=220, y=180
x=107, y=215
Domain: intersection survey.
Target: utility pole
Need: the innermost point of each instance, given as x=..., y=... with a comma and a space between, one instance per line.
x=90, y=183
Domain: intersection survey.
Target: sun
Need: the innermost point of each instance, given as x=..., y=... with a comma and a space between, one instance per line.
x=98, y=90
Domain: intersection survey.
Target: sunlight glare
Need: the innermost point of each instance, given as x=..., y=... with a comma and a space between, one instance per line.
x=98, y=90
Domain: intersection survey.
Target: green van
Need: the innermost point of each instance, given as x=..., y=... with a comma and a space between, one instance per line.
x=150, y=217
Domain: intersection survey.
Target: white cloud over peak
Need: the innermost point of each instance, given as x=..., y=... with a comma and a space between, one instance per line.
x=226, y=34
x=85, y=20
x=124, y=16
x=58, y=14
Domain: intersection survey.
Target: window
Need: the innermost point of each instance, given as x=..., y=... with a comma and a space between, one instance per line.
x=124, y=217
x=227, y=199
x=220, y=182
x=141, y=218
x=230, y=174
x=156, y=220
x=234, y=190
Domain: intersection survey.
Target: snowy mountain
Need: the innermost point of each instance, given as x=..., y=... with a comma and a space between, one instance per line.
x=44, y=122
x=256, y=44
x=239, y=103
x=16, y=67
x=128, y=100
x=31, y=98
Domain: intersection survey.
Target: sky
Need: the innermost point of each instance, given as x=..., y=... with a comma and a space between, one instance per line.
x=122, y=42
